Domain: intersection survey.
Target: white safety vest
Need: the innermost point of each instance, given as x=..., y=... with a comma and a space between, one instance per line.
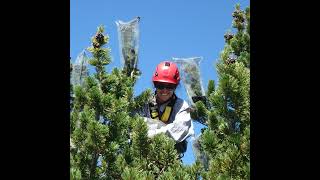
x=179, y=125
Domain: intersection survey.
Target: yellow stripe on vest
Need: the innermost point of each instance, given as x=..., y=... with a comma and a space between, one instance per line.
x=154, y=114
x=166, y=114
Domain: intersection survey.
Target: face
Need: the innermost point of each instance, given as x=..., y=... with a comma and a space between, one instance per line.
x=164, y=91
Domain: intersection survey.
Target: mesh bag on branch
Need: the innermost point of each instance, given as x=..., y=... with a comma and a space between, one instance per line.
x=128, y=35
x=80, y=69
x=190, y=76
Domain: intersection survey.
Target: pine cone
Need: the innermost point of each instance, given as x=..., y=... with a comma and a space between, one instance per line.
x=228, y=36
x=99, y=37
x=240, y=19
x=132, y=51
x=231, y=60
x=95, y=45
x=238, y=16
x=236, y=13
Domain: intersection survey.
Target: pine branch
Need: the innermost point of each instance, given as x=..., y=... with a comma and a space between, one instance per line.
x=93, y=166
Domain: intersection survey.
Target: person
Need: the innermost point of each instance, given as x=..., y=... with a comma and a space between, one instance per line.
x=166, y=112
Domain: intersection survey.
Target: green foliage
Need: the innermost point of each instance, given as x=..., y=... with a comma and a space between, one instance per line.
x=194, y=170
x=227, y=139
x=141, y=99
x=132, y=174
x=140, y=139
x=175, y=173
x=211, y=87
x=99, y=118
x=162, y=154
x=200, y=113
x=108, y=140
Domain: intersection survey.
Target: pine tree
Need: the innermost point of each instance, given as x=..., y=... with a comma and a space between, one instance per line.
x=226, y=141
x=99, y=118
x=108, y=140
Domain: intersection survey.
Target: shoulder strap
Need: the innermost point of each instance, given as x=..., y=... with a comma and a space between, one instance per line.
x=153, y=107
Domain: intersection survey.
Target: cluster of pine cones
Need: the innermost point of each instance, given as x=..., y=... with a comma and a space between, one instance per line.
x=98, y=41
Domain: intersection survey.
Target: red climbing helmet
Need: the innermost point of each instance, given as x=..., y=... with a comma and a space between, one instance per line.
x=166, y=72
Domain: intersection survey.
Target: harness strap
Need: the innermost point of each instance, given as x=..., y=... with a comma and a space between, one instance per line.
x=154, y=110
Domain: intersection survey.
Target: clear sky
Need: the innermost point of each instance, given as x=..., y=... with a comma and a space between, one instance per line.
x=168, y=28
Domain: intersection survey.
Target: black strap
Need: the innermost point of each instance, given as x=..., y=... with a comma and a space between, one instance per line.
x=154, y=110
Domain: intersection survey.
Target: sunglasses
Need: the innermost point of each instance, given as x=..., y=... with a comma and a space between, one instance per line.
x=167, y=86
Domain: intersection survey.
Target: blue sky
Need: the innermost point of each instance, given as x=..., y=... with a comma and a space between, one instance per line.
x=168, y=28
